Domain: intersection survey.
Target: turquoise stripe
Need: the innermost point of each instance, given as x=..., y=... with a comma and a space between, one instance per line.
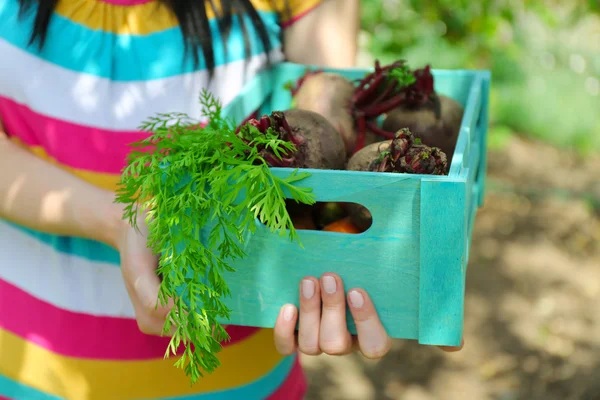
x=257, y=390
x=18, y=391
x=125, y=57
x=88, y=249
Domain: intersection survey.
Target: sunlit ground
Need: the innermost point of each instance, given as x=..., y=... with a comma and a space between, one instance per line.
x=533, y=288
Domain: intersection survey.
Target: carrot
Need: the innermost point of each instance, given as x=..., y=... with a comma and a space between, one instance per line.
x=343, y=225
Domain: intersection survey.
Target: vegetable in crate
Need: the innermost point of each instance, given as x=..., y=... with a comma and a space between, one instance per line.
x=406, y=97
x=353, y=109
x=330, y=95
x=315, y=141
x=404, y=154
x=430, y=116
x=188, y=177
x=344, y=225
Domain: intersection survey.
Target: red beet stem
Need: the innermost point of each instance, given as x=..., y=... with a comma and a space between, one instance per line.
x=386, y=93
x=374, y=80
x=378, y=109
x=362, y=96
x=365, y=81
x=378, y=131
x=265, y=123
x=361, y=133
x=273, y=161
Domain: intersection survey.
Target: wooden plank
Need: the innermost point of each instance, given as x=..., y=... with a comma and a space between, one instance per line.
x=442, y=262
x=470, y=116
x=384, y=260
x=484, y=123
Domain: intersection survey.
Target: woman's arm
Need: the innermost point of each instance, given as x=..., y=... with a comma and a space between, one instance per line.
x=44, y=197
x=327, y=36
x=41, y=196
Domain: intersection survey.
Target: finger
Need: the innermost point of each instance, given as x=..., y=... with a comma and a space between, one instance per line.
x=373, y=340
x=139, y=272
x=310, y=316
x=154, y=326
x=285, y=330
x=334, y=338
x=146, y=286
x=147, y=323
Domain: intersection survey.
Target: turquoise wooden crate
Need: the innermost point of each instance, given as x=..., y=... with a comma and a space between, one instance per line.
x=412, y=260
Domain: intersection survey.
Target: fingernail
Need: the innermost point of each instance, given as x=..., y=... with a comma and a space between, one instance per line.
x=329, y=284
x=356, y=299
x=308, y=288
x=288, y=313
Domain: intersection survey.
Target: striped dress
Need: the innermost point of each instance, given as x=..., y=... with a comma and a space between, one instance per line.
x=67, y=327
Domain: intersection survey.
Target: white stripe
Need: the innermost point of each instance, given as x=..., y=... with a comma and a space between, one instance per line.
x=92, y=101
x=69, y=282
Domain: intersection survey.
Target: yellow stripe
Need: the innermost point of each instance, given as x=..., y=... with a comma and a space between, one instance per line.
x=104, y=181
x=75, y=378
x=140, y=19
x=150, y=17
x=297, y=7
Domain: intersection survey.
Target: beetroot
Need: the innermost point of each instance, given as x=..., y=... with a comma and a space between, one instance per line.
x=330, y=95
x=436, y=124
x=317, y=143
x=353, y=108
x=435, y=119
x=404, y=154
x=431, y=117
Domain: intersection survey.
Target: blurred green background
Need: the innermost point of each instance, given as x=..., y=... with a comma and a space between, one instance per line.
x=544, y=57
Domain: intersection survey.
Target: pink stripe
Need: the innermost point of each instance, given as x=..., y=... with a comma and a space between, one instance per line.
x=294, y=387
x=77, y=146
x=126, y=2
x=81, y=335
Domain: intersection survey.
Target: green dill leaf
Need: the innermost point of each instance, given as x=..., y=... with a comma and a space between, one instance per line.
x=200, y=189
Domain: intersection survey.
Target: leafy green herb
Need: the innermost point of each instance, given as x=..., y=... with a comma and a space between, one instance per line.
x=190, y=179
x=403, y=75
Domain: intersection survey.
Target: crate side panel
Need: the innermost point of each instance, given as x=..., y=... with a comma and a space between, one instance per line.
x=484, y=122
x=442, y=270
x=384, y=261
x=467, y=127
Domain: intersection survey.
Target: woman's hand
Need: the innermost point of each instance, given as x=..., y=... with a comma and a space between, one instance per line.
x=322, y=327
x=322, y=316
x=138, y=266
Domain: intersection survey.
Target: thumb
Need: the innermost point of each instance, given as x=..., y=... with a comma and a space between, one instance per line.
x=139, y=266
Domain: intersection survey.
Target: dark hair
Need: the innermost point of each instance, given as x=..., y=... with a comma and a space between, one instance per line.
x=193, y=22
